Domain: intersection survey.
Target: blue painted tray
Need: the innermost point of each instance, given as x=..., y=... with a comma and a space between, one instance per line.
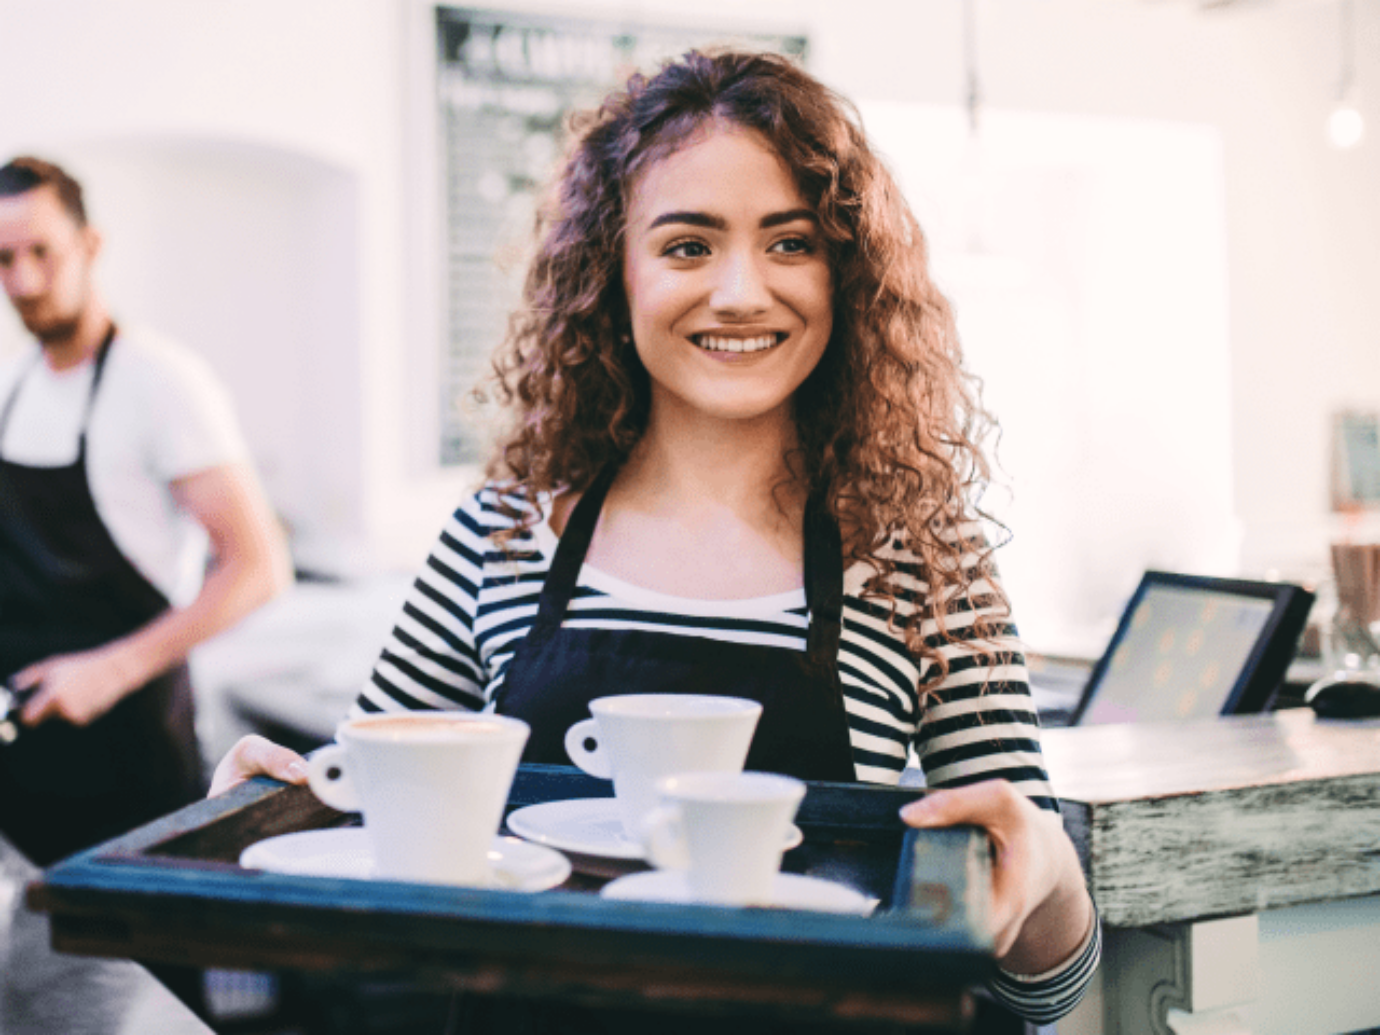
x=172, y=892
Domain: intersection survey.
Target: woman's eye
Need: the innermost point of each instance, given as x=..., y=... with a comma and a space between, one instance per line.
x=687, y=250
x=794, y=246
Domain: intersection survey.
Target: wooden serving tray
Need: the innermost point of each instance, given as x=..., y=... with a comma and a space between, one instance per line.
x=172, y=892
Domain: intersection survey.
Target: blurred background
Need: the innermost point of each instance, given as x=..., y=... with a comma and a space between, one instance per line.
x=1165, y=267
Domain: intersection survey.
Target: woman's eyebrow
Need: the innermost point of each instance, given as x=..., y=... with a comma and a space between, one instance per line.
x=789, y=216
x=712, y=222
x=703, y=219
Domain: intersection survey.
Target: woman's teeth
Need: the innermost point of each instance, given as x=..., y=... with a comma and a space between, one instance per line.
x=714, y=344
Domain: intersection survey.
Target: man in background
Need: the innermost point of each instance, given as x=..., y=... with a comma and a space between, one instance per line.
x=120, y=462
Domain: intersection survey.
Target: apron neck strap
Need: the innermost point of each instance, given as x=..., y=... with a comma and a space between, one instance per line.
x=102, y=350
x=14, y=392
x=823, y=580
x=823, y=569
x=571, y=549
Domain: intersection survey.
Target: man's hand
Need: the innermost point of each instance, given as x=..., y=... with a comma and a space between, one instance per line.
x=256, y=756
x=251, y=565
x=77, y=688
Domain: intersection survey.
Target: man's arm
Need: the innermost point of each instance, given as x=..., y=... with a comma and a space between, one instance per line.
x=249, y=566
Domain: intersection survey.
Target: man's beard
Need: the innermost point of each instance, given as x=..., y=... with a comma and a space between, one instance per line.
x=54, y=332
x=52, y=326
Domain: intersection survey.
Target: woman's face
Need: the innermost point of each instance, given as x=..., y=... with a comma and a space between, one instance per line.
x=727, y=278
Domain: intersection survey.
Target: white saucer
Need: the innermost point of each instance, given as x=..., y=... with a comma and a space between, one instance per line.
x=589, y=826
x=790, y=891
x=344, y=852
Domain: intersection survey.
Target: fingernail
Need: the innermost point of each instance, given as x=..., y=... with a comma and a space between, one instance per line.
x=298, y=770
x=917, y=811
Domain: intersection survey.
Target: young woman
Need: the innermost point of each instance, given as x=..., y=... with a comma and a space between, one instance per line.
x=746, y=458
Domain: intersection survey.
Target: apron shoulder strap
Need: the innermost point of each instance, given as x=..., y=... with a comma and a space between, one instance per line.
x=102, y=351
x=571, y=549
x=823, y=582
x=14, y=391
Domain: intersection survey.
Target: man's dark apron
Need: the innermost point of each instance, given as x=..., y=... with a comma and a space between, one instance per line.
x=66, y=587
x=556, y=672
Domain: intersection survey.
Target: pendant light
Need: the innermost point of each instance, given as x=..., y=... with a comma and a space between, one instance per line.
x=1345, y=127
x=975, y=200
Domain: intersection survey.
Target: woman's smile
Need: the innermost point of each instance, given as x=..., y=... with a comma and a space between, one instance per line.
x=729, y=343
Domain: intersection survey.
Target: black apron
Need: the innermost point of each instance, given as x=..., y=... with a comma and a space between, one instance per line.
x=556, y=672
x=66, y=587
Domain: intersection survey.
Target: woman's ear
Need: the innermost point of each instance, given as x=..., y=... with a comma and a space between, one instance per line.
x=622, y=318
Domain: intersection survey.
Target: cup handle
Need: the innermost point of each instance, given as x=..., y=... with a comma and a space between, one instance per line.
x=663, y=839
x=593, y=761
x=329, y=780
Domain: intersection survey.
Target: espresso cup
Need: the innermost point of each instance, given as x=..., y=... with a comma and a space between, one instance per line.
x=726, y=831
x=637, y=738
x=431, y=787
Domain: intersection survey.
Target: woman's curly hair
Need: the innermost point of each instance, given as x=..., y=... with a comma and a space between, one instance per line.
x=890, y=426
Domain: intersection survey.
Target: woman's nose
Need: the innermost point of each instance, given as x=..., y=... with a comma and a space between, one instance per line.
x=741, y=287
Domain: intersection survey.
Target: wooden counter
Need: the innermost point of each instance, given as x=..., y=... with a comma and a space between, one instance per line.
x=1236, y=865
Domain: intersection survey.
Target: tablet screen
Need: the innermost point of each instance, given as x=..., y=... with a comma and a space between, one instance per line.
x=1180, y=656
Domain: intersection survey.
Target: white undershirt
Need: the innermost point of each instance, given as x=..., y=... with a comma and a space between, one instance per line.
x=160, y=414
x=748, y=607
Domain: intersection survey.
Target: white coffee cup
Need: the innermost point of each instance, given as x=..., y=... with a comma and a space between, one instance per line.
x=637, y=738
x=431, y=786
x=725, y=830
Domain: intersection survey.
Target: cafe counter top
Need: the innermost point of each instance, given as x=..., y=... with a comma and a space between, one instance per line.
x=1236, y=866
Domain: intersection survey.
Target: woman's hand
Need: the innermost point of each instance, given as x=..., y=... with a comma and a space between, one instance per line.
x=256, y=756
x=1041, y=910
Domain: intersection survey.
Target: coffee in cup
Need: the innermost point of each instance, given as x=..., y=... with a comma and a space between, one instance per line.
x=431, y=787
x=635, y=739
x=725, y=831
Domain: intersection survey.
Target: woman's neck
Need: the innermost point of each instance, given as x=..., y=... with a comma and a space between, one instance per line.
x=685, y=466
x=709, y=512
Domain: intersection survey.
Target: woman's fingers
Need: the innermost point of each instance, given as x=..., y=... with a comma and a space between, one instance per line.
x=1013, y=824
x=990, y=804
x=257, y=756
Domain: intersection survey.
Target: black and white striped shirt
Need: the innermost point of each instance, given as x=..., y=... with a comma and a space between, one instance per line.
x=473, y=603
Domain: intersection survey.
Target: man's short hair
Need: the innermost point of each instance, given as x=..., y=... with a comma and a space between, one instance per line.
x=27, y=173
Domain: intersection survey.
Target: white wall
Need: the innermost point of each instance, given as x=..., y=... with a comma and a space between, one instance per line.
x=328, y=88
x=256, y=265
x=1086, y=261
x=1303, y=220
x=281, y=257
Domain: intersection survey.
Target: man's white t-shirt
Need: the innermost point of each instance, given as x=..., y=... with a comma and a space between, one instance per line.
x=160, y=414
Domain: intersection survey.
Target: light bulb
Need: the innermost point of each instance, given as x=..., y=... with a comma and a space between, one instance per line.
x=1345, y=126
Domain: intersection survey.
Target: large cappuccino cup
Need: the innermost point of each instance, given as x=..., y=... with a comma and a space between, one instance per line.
x=430, y=785
x=636, y=739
